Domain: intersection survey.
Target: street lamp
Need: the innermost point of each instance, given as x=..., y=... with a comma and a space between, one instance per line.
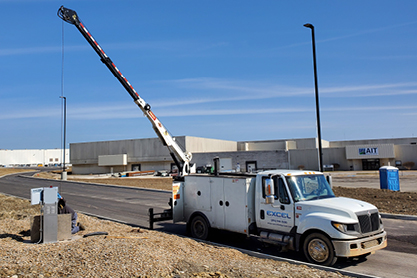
x=64, y=173
x=308, y=25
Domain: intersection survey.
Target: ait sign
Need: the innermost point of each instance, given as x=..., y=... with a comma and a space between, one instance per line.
x=368, y=151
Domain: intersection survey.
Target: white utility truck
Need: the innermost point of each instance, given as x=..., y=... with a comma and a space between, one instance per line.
x=291, y=208
x=295, y=209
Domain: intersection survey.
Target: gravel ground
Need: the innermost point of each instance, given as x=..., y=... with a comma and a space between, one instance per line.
x=124, y=252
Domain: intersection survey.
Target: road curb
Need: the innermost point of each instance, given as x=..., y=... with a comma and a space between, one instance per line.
x=100, y=184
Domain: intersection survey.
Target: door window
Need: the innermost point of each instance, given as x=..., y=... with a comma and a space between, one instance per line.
x=280, y=192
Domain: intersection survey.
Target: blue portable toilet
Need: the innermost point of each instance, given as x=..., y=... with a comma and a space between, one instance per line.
x=389, y=178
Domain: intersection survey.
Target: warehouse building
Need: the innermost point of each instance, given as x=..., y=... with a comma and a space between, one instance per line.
x=33, y=157
x=150, y=155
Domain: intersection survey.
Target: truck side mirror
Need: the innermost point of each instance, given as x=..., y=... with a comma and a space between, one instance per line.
x=329, y=180
x=269, y=191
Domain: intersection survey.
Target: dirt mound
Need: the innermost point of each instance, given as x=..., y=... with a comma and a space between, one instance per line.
x=386, y=201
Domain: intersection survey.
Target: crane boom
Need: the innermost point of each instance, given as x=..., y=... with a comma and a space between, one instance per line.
x=182, y=159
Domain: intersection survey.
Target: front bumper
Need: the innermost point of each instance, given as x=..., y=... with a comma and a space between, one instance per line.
x=357, y=247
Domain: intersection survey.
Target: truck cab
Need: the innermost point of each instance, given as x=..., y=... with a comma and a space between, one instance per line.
x=299, y=209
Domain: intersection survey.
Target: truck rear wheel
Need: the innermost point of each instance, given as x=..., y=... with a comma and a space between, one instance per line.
x=199, y=228
x=318, y=249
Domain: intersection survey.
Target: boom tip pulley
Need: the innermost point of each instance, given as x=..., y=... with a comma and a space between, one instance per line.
x=67, y=15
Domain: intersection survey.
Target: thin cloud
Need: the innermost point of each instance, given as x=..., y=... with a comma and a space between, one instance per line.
x=371, y=108
x=375, y=30
x=365, y=89
x=31, y=114
x=114, y=112
x=222, y=112
x=263, y=90
x=225, y=91
x=173, y=45
x=39, y=50
x=110, y=113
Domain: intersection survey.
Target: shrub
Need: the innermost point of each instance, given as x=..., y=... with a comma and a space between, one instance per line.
x=409, y=165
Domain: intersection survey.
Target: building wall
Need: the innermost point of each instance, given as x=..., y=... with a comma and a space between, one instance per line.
x=336, y=156
x=198, y=144
x=304, y=159
x=406, y=153
x=87, y=169
x=283, y=144
x=150, y=149
x=262, y=146
x=264, y=159
x=307, y=144
x=84, y=156
x=150, y=153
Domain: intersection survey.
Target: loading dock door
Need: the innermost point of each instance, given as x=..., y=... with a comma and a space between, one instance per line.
x=251, y=166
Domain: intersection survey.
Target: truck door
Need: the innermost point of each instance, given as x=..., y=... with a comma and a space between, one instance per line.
x=279, y=215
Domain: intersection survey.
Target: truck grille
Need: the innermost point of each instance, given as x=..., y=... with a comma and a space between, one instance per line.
x=368, y=221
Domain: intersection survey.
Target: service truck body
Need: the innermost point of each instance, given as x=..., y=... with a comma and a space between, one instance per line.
x=227, y=202
x=283, y=207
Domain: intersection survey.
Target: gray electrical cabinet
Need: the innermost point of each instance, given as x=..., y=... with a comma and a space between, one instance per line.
x=47, y=197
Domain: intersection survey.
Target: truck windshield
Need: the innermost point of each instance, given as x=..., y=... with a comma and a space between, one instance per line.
x=309, y=187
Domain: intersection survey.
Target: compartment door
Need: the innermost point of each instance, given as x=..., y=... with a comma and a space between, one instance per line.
x=217, y=198
x=235, y=205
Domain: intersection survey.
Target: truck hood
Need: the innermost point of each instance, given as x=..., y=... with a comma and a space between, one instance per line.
x=340, y=206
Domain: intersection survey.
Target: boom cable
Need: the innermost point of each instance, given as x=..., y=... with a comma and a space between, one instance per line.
x=62, y=91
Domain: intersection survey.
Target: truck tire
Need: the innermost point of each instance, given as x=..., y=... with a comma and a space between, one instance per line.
x=199, y=228
x=318, y=249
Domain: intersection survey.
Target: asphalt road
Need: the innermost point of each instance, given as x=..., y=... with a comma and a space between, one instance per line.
x=130, y=205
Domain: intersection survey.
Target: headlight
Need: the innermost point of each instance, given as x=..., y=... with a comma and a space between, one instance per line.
x=346, y=228
x=341, y=227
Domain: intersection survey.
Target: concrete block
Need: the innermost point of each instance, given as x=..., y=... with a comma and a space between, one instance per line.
x=64, y=227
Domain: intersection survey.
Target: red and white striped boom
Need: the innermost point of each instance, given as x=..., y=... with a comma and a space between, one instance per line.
x=182, y=159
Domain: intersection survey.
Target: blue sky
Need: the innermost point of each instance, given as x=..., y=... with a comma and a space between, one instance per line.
x=233, y=70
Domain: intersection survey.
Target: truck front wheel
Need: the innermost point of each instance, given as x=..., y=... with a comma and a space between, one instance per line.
x=199, y=228
x=318, y=249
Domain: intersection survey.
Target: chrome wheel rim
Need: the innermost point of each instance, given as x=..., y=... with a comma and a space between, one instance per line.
x=318, y=250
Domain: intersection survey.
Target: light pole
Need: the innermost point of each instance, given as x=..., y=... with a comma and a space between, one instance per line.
x=64, y=173
x=308, y=25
